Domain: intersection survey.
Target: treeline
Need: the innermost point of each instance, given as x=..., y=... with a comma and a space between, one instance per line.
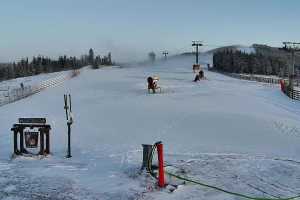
x=255, y=63
x=42, y=64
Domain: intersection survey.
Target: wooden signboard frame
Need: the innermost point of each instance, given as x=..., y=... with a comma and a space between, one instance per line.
x=19, y=134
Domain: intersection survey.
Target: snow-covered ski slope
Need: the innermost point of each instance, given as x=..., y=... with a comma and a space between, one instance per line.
x=239, y=135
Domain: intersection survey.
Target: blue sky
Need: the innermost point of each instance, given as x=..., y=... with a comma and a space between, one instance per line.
x=132, y=28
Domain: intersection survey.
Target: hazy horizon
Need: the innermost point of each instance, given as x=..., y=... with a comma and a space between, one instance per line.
x=132, y=29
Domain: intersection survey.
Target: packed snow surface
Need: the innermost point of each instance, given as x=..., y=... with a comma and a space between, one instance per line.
x=238, y=135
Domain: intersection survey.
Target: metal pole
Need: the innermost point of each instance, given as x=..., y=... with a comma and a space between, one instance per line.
x=197, y=44
x=197, y=55
x=291, y=47
x=291, y=78
x=66, y=106
x=70, y=103
x=293, y=66
x=69, y=122
x=69, y=141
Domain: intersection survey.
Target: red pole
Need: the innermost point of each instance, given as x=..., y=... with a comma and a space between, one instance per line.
x=161, y=173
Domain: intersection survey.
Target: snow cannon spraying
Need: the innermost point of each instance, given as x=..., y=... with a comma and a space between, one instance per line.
x=153, y=84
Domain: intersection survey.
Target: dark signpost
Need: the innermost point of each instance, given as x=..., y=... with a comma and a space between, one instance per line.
x=33, y=131
x=68, y=108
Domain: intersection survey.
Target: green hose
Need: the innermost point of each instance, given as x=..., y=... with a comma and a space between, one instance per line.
x=150, y=170
x=228, y=192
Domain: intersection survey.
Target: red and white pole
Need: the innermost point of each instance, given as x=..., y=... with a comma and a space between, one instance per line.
x=161, y=173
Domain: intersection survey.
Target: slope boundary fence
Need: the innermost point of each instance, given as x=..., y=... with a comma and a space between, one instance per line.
x=294, y=94
x=17, y=94
x=256, y=78
x=290, y=92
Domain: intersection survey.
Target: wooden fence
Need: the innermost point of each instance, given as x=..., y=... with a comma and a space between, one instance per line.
x=292, y=93
x=21, y=93
x=262, y=79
